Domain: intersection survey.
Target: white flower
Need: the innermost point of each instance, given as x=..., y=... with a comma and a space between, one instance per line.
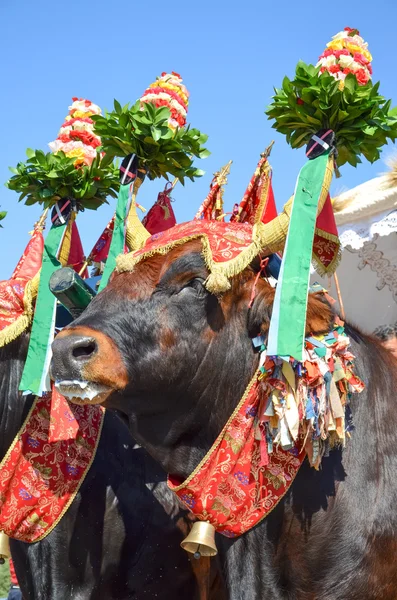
x=346, y=61
x=327, y=61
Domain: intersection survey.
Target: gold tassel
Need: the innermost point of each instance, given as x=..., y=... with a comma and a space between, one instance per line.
x=217, y=282
x=136, y=234
x=67, y=241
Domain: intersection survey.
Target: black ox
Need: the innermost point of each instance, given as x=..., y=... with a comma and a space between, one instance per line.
x=119, y=539
x=183, y=359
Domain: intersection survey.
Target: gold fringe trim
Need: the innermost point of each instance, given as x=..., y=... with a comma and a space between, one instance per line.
x=64, y=251
x=136, y=233
x=267, y=238
x=220, y=273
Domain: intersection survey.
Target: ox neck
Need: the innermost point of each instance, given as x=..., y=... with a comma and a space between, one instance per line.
x=13, y=406
x=190, y=419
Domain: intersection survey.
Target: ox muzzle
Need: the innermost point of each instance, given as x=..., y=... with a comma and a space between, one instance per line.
x=86, y=365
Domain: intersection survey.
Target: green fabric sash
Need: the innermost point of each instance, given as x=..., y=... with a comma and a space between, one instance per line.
x=35, y=379
x=118, y=237
x=288, y=322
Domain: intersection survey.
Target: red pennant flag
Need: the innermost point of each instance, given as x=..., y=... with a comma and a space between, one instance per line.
x=76, y=255
x=161, y=216
x=326, y=245
x=16, y=309
x=212, y=207
x=100, y=251
x=258, y=201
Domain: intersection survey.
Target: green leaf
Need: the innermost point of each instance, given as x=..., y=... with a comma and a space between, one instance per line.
x=30, y=153
x=204, y=153
x=117, y=107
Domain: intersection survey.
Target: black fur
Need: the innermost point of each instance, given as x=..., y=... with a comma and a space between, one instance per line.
x=334, y=535
x=118, y=540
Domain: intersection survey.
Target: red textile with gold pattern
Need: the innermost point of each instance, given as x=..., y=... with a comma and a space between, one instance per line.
x=258, y=201
x=211, y=208
x=326, y=242
x=231, y=488
x=39, y=478
x=13, y=301
x=226, y=240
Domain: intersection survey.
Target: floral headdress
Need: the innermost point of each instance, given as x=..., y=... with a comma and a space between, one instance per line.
x=347, y=53
x=76, y=138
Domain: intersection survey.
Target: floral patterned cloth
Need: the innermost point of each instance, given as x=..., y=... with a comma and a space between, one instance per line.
x=46, y=465
x=290, y=410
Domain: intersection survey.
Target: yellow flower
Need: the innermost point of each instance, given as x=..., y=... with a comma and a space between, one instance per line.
x=76, y=152
x=341, y=85
x=336, y=45
x=353, y=48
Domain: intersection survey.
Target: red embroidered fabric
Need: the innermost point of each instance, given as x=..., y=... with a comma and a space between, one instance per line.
x=45, y=466
x=258, y=196
x=231, y=489
x=13, y=301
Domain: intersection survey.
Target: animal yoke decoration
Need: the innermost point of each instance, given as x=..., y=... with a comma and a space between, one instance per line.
x=46, y=464
x=153, y=140
x=74, y=176
x=336, y=111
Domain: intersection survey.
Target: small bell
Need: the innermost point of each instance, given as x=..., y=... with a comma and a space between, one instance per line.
x=201, y=540
x=5, y=552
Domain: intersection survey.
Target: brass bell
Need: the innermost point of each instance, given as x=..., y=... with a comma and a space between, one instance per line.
x=5, y=552
x=201, y=540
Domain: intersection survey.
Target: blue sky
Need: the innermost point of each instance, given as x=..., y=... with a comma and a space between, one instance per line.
x=230, y=55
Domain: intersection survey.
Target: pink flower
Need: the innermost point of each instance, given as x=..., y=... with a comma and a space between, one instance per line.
x=359, y=58
x=334, y=69
x=362, y=76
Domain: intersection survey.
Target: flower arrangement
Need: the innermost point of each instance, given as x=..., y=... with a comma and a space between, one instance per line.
x=168, y=90
x=154, y=129
x=74, y=169
x=76, y=138
x=347, y=53
x=337, y=94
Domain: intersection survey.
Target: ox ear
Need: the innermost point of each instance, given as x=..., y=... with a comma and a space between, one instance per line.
x=319, y=318
x=261, y=310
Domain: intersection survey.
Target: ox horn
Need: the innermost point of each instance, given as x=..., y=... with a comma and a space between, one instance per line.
x=272, y=236
x=136, y=234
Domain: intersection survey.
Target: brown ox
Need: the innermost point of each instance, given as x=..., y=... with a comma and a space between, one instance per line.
x=176, y=360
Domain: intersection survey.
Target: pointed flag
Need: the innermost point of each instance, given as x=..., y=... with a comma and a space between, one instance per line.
x=76, y=254
x=212, y=207
x=161, y=216
x=258, y=202
x=18, y=293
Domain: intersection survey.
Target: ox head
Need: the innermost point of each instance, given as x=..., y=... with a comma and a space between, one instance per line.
x=157, y=344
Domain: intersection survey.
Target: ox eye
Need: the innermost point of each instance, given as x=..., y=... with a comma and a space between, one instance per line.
x=194, y=285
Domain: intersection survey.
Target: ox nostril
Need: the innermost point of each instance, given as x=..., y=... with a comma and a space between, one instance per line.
x=84, y=349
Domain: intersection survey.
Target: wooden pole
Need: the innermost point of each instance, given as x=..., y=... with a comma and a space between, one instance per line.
x=342, y=310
